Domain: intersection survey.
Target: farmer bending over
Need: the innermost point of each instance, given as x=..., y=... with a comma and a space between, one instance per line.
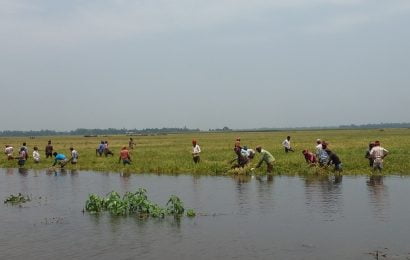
x=267, y=157
x=9, y=152
x=335, y=160
x=59, y=159
x=309, y=157
x=125, y=156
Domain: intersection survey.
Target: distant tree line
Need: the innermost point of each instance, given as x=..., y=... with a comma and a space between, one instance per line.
x=90, y=132
x=381, y=125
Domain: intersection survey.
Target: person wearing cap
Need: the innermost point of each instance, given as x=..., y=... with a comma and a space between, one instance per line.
x=286, y=145
x=196, y=150
x=49, y=149
x=378, y=153
x=367, y=155
x=266, y=157
x=309, y=157
x=125, y=156
x=59, y=159
x=237, y=142
x=9, y=152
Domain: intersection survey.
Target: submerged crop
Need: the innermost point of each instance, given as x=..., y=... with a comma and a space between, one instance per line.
x=135, y=203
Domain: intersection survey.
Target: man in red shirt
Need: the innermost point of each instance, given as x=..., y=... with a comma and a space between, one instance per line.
x=125, y=156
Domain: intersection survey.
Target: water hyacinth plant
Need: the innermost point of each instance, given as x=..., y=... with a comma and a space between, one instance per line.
x=17, y=199
x=134, y=203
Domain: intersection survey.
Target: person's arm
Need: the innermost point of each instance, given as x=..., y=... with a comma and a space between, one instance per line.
x=260, y=161
x=385, y=153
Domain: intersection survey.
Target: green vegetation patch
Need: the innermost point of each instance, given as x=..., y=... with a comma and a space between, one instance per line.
x=135, y=203
x=17, y=199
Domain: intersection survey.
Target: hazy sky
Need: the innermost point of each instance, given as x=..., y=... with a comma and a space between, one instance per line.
x=203, y=63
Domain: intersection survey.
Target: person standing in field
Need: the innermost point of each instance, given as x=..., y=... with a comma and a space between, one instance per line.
x=378, y=154
x=309, y=157
x=100, y=149
x=36, y=155
x=59, y=159
x=125, y=156
x=9, y=152
x=266, y=157
x=25, y=149
x=367, y=155
x=22, y=157
x=49, y=149
x=131, y=144
x=196, y=150
x=74, y=156
x=286, y=145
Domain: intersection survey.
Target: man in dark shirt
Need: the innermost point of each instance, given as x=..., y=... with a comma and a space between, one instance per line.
x=49, y=149
x=335, y=160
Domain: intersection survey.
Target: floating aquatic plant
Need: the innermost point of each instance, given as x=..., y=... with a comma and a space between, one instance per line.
x=17, y=199
x=135, y=203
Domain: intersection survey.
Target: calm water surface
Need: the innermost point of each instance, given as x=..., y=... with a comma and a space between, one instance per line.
x=240, y=218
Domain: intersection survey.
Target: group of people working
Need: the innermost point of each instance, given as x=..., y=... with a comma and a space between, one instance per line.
x=23, y=155
x=322, y=157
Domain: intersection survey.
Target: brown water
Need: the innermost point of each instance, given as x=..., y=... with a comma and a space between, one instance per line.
x=278, y=218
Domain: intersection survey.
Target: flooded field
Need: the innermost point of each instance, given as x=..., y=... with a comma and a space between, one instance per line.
x=242, y=218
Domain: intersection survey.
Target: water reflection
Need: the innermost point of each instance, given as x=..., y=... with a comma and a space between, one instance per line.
x=324, y=193
x=23, y=171
x=379, y=196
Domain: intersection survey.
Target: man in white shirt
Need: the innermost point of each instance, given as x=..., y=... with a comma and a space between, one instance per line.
x=286, y=145
x=36, y=155
x=377, y=153
x=196, y=150
x=9, y=152
x=74, y=156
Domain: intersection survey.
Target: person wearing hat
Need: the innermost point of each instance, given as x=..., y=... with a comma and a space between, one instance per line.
x=266, y=157
x=378, y=153
x=196, y=150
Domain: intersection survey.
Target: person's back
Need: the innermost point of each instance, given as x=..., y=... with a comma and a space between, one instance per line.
x=378, y=152
x=74, y=156
x=49, y=150
x=36, y=155
x=323, y=156
x=125, y=156
x=267, y=156
x=60, y=157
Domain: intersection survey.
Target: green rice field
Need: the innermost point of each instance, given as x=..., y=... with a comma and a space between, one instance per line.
x=171, y=153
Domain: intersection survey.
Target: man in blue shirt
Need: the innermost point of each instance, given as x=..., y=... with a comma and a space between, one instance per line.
x=59, y=159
